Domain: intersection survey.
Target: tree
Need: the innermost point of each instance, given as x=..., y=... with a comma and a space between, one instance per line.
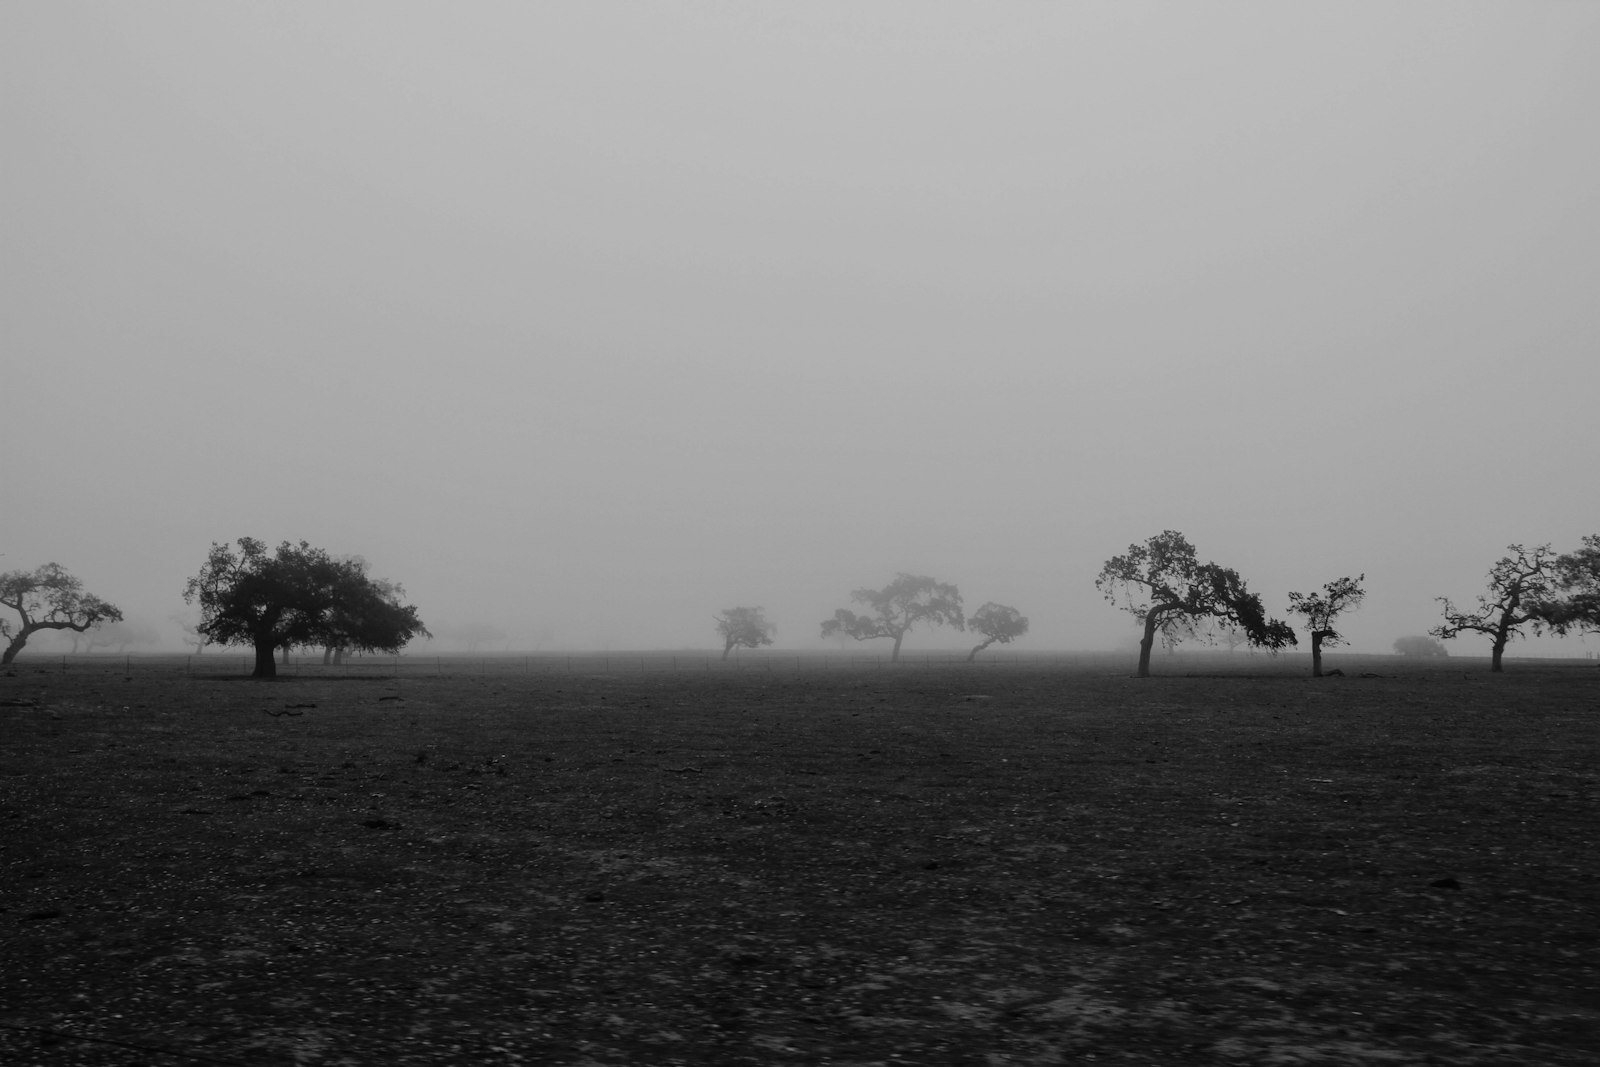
x=47, y=599
x=902, y=604
x=365, y=611
x=1520, y=585
x=743, y=628
x=1422, y=647
x=1321, y=609
x=1164, y=586
x=996, y=622
x=295, y=596
x=1577, y=580
x=191, y=631
x=120, y=635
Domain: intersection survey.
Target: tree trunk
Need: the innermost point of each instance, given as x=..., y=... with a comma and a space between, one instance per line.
x=28, y=630
x=1316, y=653
x=1146, y=643
x=327, y=655
x=974, y=653
x=894, y=657
x=285, y=655
x=266, y=662
x=1495, y=653
x=726, y=649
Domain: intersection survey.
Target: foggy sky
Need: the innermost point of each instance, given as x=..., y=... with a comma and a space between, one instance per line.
x=590, y=320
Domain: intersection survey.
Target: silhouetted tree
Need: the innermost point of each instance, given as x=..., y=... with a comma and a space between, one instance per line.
x=1419, y=646
x=1519, y=586
x=1321, y=609
x=997, y=623
x=1575, y=602
x=743, y=628
x=48, y=598
x=1168, y=590
x=902, y=604
x=295, y=596
x=365, y=610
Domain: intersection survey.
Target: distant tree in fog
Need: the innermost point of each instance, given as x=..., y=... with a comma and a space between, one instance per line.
x=1574, y=606
x=472, y=636
x=904, y=603
x=1519, y=586
x=293, y=597
x=48, y=598
x=1163, y=585
x=744, y=628
x=1321, y=609
x=1419, y=646
x=119, y=636
x=997, y=623
x=191, y=631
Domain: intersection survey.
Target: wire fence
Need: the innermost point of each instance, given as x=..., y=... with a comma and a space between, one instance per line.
x=218, y=663
x=228, y=662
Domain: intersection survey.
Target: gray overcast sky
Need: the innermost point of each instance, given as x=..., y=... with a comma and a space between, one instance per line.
x=589, y=320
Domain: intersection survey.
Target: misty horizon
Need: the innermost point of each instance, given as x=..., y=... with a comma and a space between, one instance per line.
x=587, y=323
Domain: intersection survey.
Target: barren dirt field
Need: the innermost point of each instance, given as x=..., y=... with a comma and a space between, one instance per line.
x=990, y=865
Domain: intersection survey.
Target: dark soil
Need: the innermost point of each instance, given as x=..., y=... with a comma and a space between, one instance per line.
x=991, y=865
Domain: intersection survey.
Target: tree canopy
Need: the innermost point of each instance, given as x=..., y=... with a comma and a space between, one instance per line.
x=1574, y=604
x=296, y=595
x=909, y=600
x=48, y=598
x=744, y=628
x=1164, y=586
x=1417, y=645
x=1321, y=609
x=1520, y=586
x=998, y=623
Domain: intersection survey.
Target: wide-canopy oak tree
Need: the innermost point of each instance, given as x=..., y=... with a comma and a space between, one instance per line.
x=1163, y=585
x=1575, y=604
x=1520, y=586
x=902, y=604
x=743, y=628
x=293, y=596
x=998, y=623
x=48, y=598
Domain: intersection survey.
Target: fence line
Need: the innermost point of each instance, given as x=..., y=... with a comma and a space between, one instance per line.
x=235, y=664
x=228, y=662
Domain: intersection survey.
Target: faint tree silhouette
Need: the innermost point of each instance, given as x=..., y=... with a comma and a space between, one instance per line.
x=907, y=601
